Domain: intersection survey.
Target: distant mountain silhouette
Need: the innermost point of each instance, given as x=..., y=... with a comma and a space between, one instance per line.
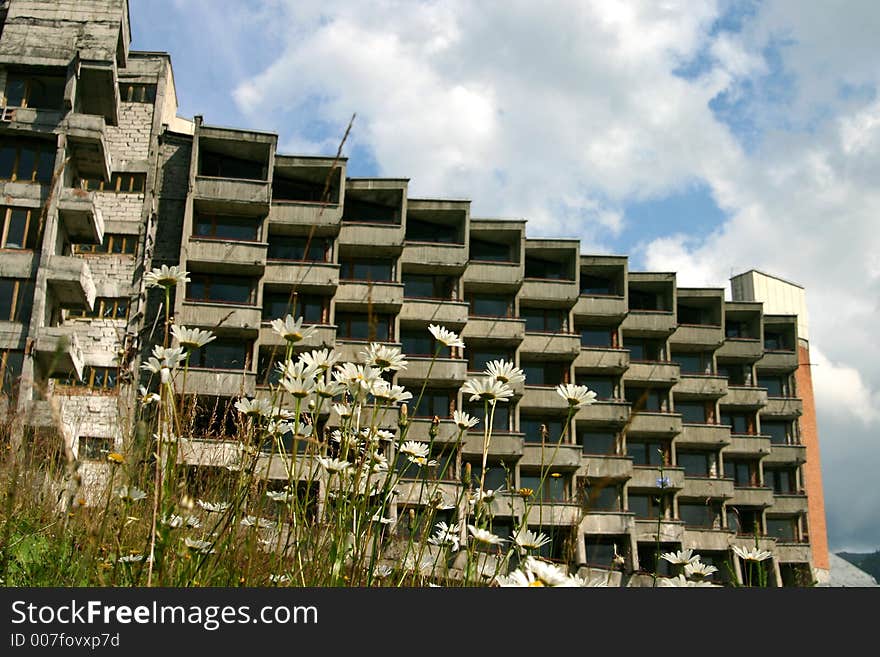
x=867, y=561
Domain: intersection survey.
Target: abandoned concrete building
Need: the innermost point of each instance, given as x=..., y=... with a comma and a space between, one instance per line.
x=102, y=181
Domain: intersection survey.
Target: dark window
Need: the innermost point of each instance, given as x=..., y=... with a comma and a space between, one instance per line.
x=434, y=401
x=698, y=514
x=695, y=315
x=226, y=166
x=552, y=490
x=650, y=560
x=498, y=475
x=695, y=464
x=531, y=427
x=104, y=308
x=215, y=418
x=223, y=354
x=502, y=419
x=605, y=387
x=37, y=91
x=484, y=251
x=267, y=372
x=283, y=247
x=602, y=443
x=16, y=299
x=11, y=361
x=648, y=453
x=490, y=305
x=112, y=244
x=426, y=231
x=119, y=183
x=478, y=358
x=783, y=529
x=361, y=326
x=692, y=412
x=313, y=308
x=649, y=400
x=781, y=432
x=643, y=349
x=697, y=362
x=559, y=547
x=366, y=269
x=598, y=336
x=598, y=285
x=782, y=480
x=744, y=473
x=546, y=320
x=227, y=227
x=137, y=93
x=776, y=341
x=95, y=378
x=221, y=289
x=642, y=300
x=545, y=373
x=361, y=211
x=599, y=495
x=426, y=286
x=744, y=520
x=648, y=507
x=27, y=160
x=18, y=228
x=737, y=329
x=286, y=188
x=777, y=386
x=739, y=423
x=94, y=448
x=601, y=549
x=547, y=269
x=737, y=374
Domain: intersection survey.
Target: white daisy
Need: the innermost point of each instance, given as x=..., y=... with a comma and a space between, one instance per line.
x=384, y=357
x=681, y=557
x=166, y=276
x=199, y=546
x=292, y=330
x=575, y=395
x=333, y=465
x=446, y=536
x=485, y=536
x=445, y=336
x=699, y=569
x=213, y=506
x=414, y=448
x=191, y=338
x=754, y=554
x=464, y=421
x=487, y=390
x=505, y=372
x=681, y=581
x=526, y=539
x=130, y=493
x=254, y=407
x=320, y=359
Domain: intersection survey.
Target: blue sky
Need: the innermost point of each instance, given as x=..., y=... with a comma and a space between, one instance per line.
x=704, y=137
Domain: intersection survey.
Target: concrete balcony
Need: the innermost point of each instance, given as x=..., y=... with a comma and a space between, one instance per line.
x=323, y=337
x=450, y=314
x=607, y=522
x=58, y=352
x=416, y=492
x=302, y=276
x=605, y=360
x=431, y=255
x=227, y=256
x=741, y=445
x=500, y=329
x=779, y=361
x=743, y=349
x=599, y=307
x=704, y=435
x=216, y=453
x=709, y=540
x=786, y=454
x=83, y=221
x=699, y=335
x=294, y=216
x=698, y=385
x=648, y=478
x=369, y=235
x=557, y=514
x=794, y=553
x=649, y=322
x=654, y=424
x=611, y=467
x=551, y=454
x=604, y=413
x=500, y=444
x=705, y=487
x=45, y=413
x=444, y=371
x=752, y=496
x=233, y=192
x=98, y=87
x=671, y=531
x=381, y=296
x=18, y=264
x=70, y=279
x=548, y=290
x=557, y=344
x=88, y=145
x=741, y=397
x=494, y=276
x=12, y=335
x=783, y=407
x=420, y=428
x=652, y=372
x=245, y=320
x=29, y=120
x=544, y=398
x=223, y=383
x=788, y=504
